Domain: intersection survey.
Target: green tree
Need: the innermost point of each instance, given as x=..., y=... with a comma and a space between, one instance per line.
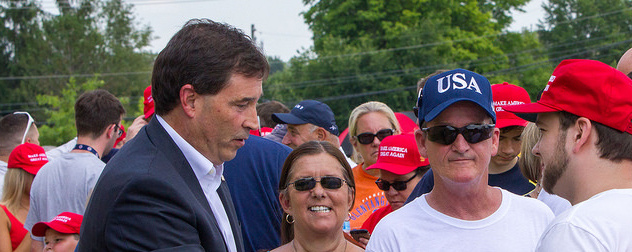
x=87, y=37
x=60, y=110
x=377, y=50
x=587, y=29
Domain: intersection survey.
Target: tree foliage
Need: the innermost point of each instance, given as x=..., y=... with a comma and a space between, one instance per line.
x=377, y=50
x=86, y=38
x=587, y=29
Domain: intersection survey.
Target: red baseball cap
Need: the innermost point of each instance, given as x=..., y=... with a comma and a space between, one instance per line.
x=407, y=125
x=508, y=94
x=399, y=154
x=29, y=157
x=66, y=222
x=586, y=88
x=148, y=102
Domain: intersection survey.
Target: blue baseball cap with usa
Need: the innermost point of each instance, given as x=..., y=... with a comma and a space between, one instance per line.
x=309, y=111
x=447, y=88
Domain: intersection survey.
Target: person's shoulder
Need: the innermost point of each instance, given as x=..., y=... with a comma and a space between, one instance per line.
x=265, y=143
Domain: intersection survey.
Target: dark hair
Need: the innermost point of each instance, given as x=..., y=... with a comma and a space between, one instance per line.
x=421, y=170
x=308, y=149
x=510, y=128
x=95, y=111
x=612, y=144
x=265, y=111
x=12, y=127
x=204, y=54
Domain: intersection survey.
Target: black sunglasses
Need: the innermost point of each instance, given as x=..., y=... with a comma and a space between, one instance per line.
x=472, y=133
x=397, y=185
x=327, y=182
x=367, y=138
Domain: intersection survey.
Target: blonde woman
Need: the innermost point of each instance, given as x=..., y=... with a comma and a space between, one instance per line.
x=369, y=124
x=24, y=162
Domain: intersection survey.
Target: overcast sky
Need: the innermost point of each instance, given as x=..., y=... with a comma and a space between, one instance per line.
x=278, y=23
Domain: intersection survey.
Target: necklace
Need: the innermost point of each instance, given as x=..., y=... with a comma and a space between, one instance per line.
x=294, y=246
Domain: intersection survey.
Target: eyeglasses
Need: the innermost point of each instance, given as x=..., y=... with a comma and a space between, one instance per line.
x=472, y=133
x=397, y=185
x=118, y=129
x=367, y=138
x=28, y=125
x=327, y=182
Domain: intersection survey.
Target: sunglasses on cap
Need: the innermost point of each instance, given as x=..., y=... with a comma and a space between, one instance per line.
x=28, y=125
x=327, y=182
x=472, y=133
x=367, y=138
x=397, y=185
x=118, y=130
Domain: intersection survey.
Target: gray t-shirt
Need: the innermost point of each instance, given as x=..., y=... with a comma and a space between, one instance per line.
x=63, y=185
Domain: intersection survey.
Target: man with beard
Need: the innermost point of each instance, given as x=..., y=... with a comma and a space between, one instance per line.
x=585, y=118
x=462, y=212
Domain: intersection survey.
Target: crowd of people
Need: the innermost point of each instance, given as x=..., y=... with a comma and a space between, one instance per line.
x=207, y=167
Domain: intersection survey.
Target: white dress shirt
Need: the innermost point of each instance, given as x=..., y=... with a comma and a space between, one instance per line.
x=209, y=176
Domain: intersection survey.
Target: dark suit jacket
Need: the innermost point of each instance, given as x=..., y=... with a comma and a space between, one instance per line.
x=148, y=199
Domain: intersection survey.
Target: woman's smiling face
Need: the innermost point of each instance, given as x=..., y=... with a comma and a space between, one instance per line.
x=317, y=210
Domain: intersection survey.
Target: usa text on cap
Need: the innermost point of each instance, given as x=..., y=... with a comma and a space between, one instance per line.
x=456, y=85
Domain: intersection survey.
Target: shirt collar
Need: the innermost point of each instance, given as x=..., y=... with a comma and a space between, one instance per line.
x=201, y=165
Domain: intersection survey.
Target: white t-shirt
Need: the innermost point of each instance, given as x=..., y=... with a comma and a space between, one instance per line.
x=557, y=204
x=601, y=223
x=63, y=185
x=3, y=171
x=515, y=226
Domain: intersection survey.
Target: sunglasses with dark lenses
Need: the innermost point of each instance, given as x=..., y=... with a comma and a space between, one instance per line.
x=472, y=133
x=367, y=138
x=397, y=185
x=327, y=182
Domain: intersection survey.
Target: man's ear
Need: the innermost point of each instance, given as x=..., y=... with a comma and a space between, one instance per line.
x=582, y=132
x=187, y=99
x=321, y=134
x=420, y=138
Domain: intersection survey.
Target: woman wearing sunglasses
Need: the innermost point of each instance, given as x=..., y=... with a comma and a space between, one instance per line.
x=316, y=191
x=369, y=123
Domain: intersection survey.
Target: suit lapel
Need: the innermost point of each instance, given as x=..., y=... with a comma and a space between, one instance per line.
x=227, y=201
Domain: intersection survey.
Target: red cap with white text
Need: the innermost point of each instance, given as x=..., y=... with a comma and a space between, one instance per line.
x=506, y=94
x=399, y=154
x=586, y=88
x=66, y=223
x=27, y=156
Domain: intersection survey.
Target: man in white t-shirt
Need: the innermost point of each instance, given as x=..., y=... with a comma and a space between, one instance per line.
x=462, y=212
x=585, y=118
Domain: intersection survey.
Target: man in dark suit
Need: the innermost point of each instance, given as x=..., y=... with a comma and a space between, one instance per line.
x=164, y=190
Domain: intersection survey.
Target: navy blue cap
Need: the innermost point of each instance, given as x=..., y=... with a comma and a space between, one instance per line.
x=445, y=89
x=309, y=111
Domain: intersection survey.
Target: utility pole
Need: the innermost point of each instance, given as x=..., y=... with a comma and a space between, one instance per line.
x=252, y=33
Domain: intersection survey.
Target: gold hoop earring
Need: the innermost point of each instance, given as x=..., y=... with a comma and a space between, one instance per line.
x=288, y=217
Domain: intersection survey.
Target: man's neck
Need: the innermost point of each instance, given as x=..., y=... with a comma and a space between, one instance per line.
x=497, y=169
x=473, y=201
x=96, y=144
x=598, y=177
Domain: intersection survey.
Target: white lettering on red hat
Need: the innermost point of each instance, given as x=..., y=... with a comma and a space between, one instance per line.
x=552, y=78
x=457, y=82
x=546, y=88
x=61, y=218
